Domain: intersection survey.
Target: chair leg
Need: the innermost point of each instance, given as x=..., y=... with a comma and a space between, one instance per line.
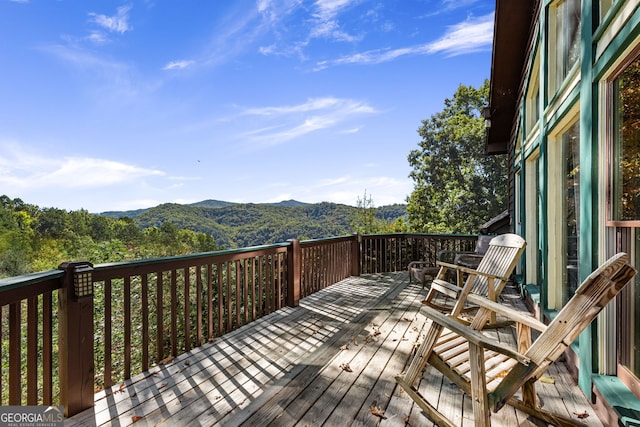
x=423, y=352
x=431, y=412
x=479, y=398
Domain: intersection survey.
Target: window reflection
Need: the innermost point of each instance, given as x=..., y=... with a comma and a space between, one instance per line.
x=626, y=148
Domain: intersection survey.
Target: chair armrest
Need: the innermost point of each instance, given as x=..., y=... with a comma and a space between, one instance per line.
x=473, y=336
x=470, y=270
x=508, y=312
x=447, y=285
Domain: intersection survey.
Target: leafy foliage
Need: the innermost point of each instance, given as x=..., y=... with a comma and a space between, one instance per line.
x=457, y=186
x=37, y=239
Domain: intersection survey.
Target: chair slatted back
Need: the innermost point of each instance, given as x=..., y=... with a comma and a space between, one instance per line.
x=595, y=292
x=500, y=260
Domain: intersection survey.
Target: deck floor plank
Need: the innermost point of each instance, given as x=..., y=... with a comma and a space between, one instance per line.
x=285, y=369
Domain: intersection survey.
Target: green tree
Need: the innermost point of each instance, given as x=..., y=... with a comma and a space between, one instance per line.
x=365, y=221
x=457, y=186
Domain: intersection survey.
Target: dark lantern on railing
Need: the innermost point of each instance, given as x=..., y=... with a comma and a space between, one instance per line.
x=82, y=278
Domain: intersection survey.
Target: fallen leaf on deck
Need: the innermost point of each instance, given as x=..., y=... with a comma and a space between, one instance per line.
x=345, y=347
x=407, y=319
x=353, y=340
x=503, y=374
x=581, y=415
x=136, y=418
x=162, y=385
x=547, y=380
x=345, y=367
x=187, y=363
x=165, y=360
x=375, y=410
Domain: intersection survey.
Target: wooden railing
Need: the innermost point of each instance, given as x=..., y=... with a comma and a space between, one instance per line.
x=59, y=349
x=380, y=253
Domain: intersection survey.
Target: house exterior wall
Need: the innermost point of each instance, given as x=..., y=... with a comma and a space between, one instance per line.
x=562, y=142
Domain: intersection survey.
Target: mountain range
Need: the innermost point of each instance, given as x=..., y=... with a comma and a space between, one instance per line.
x=234, y=225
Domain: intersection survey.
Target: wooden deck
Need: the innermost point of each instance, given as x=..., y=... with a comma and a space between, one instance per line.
x=329, y=362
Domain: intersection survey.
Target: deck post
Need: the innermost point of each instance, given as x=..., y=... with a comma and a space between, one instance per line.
x=355, y=254
x=294, y=272
x=75, y=305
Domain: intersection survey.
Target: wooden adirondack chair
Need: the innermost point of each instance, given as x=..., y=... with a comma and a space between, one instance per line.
x=488, y=280
x=492, y=372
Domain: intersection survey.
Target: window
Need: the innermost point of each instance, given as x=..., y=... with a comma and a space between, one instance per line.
x=623, y=208
x=564, y=215
x=564, y=39
x=532, y=219
x=625, y=150
x=571, y=210
x=533, y=96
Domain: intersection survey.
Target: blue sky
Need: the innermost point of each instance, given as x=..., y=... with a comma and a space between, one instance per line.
x=110, y=105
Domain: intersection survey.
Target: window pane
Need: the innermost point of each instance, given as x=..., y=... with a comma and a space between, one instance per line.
x=565, y=24
x=571, y=153
x=626, y=148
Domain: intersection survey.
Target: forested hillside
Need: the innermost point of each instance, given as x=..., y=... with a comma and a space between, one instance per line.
x=241, y=225
x=37, y=239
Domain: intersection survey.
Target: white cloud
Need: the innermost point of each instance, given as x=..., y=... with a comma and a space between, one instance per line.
x=328, y=9
x=325, y=20
x=178, y=65
x=117, y=23
x=465, y=37
x=21, y=169
x=346, y=189
x=469, y=36
x=98, y=37
x=285, y=123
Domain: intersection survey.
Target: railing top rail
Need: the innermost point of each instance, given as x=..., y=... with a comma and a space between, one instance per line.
x=326, y=240
x=181, y=259
x=17, y=288
x=10, y=283
x=435, y=235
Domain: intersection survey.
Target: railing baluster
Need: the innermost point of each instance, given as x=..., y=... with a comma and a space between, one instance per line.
x=209, y=301
x=15, y=357
x=238, y=291
x=229, y=299
x=47, y=350
x=159, y=317
x=107, y=334
x=245, y=290
x=187, y=309
x=127, y=326
x=32, y=351
x=145, y=321
x=260, y=287
x=220, y=301
x=198, y=305
x=174, y=312
x=254, y=301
